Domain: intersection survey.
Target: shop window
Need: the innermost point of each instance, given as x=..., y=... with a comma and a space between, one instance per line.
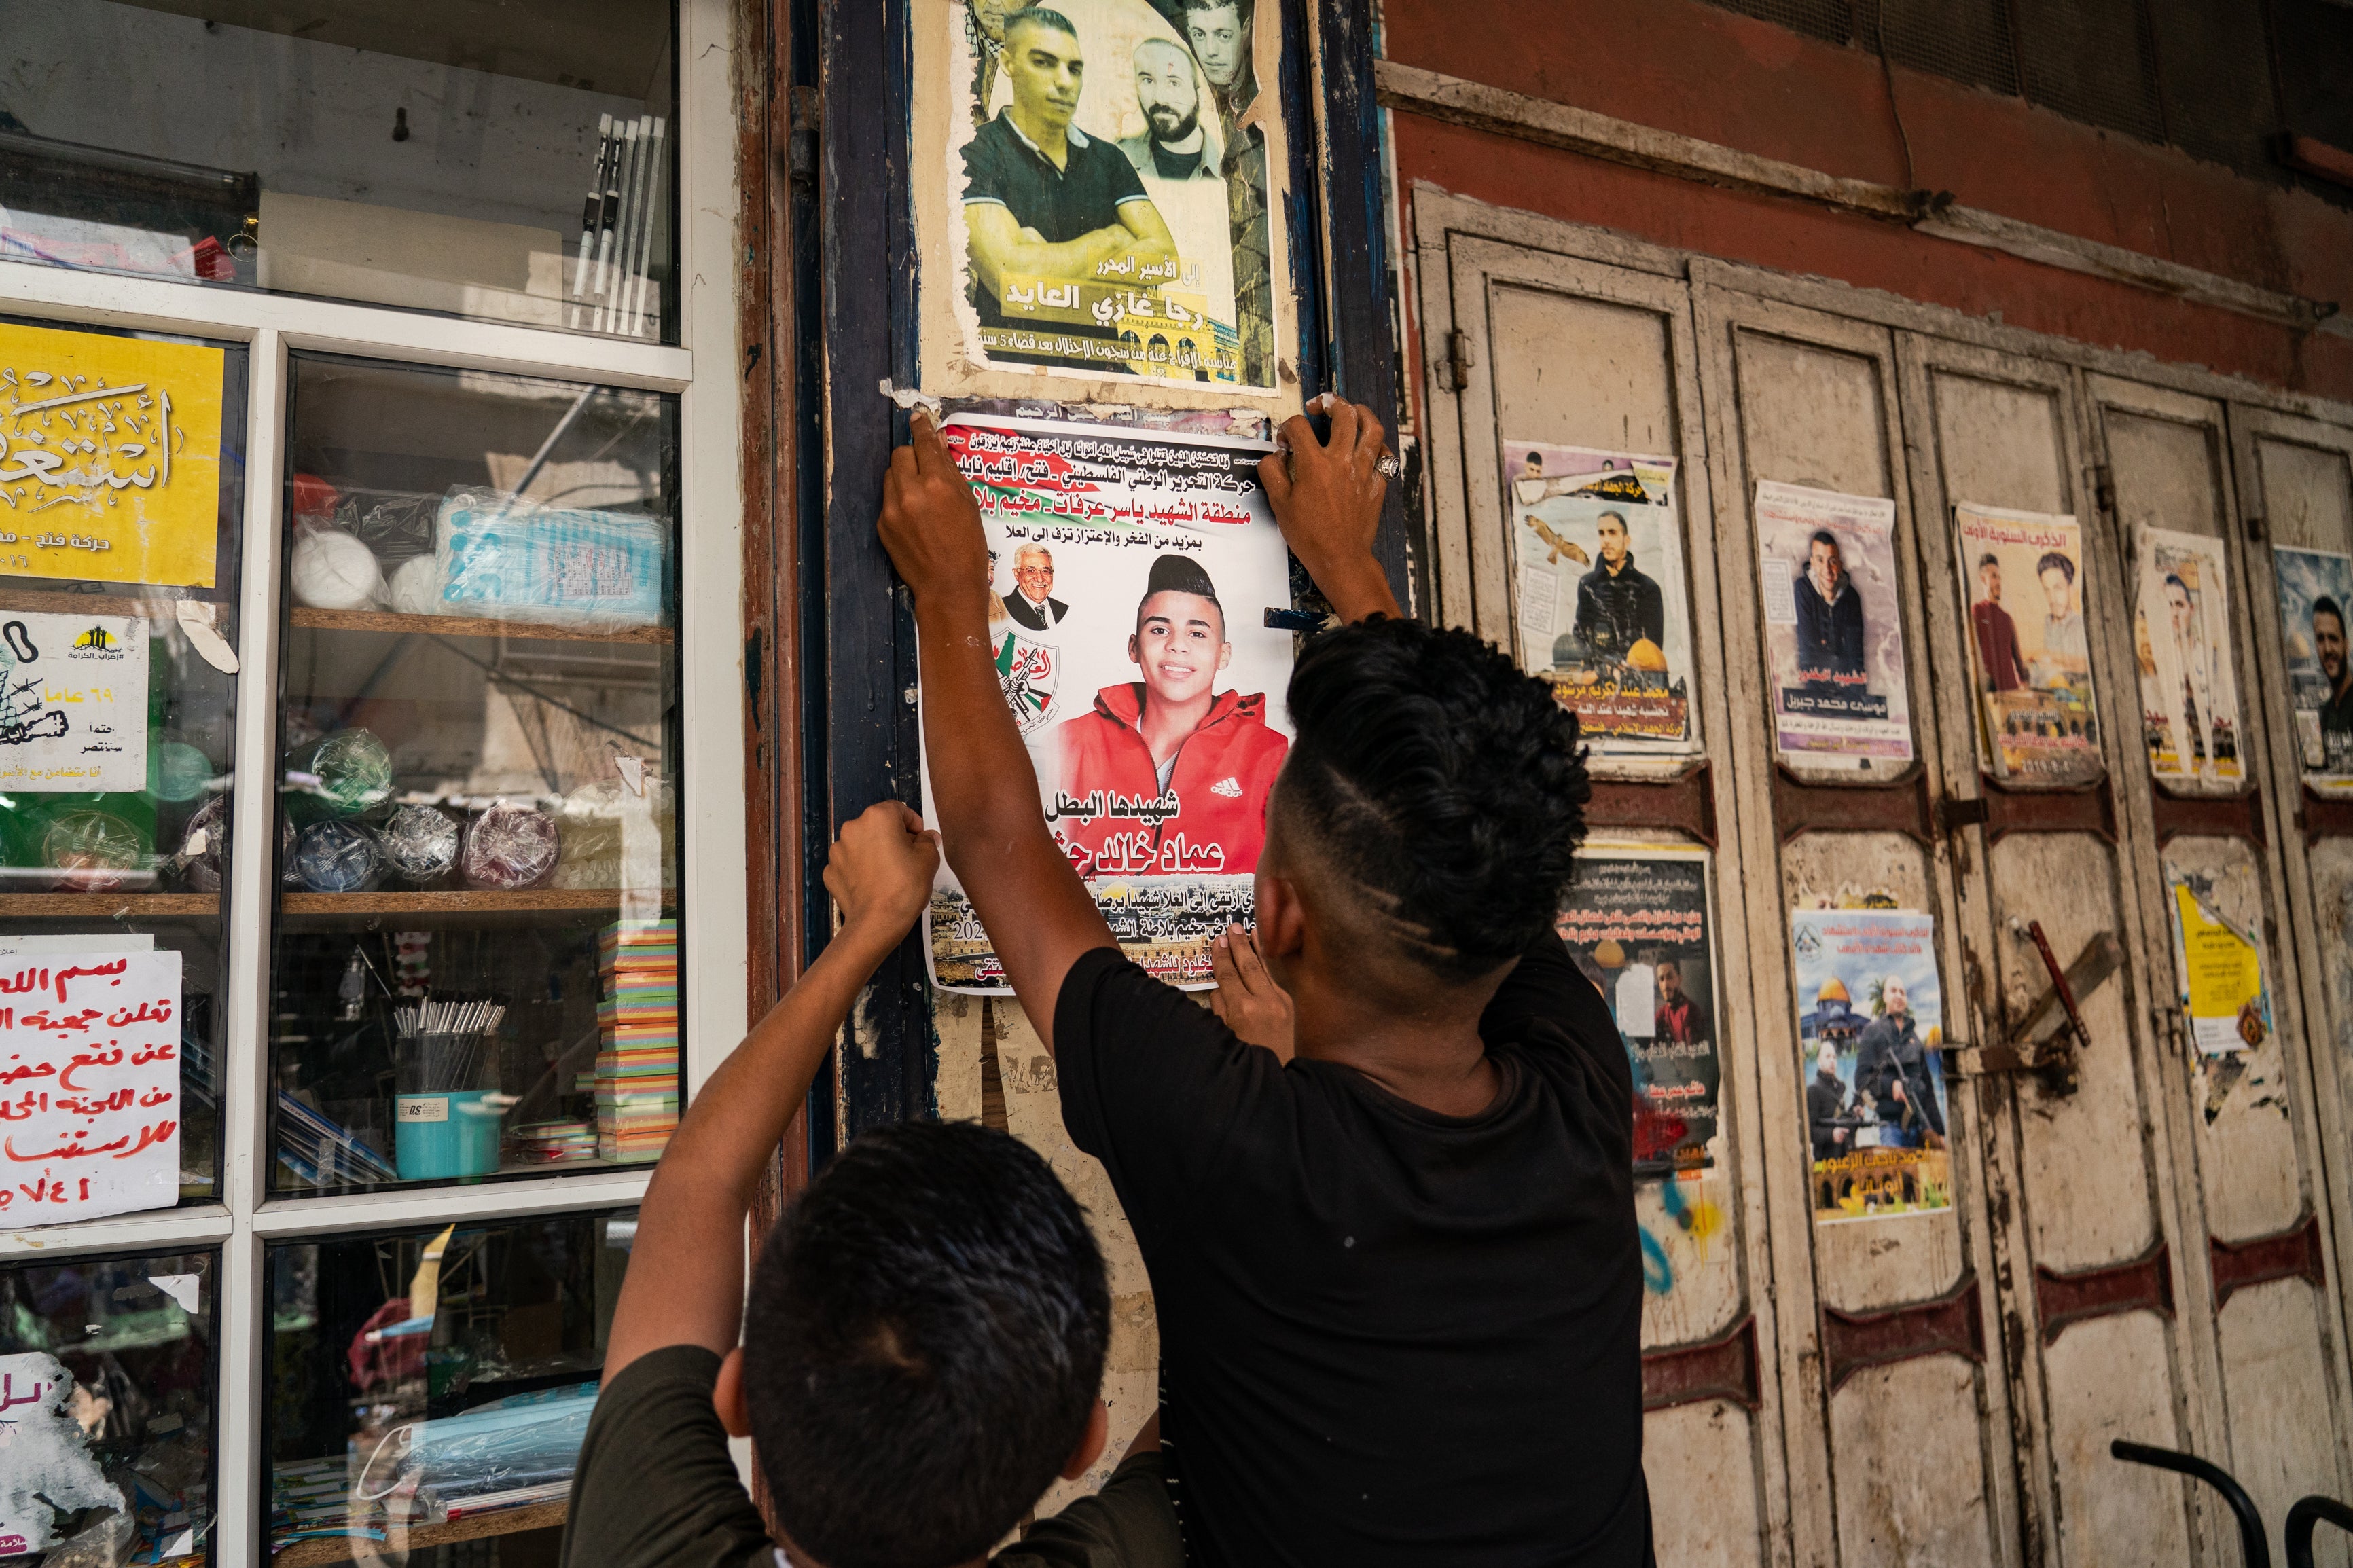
x=475, y=969
x=109, y=1374
x=122, y=485
x=432, y=1387
x=511, y=163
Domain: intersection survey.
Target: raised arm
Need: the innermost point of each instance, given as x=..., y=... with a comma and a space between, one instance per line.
x=1039, y=914
x=685, y=1284
x=1328, y=499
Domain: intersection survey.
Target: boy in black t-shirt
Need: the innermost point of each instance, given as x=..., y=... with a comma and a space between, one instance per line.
x=1385, y=1192
x=923, y=1339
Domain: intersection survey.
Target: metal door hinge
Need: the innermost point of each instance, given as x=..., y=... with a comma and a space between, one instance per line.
x=1458, y=361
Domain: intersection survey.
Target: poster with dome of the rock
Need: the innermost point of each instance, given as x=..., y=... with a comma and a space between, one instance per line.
x=1600, y=607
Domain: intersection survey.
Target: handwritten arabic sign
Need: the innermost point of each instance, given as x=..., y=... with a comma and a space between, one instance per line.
x=46, y=1466
x=73, y=702
x=1131, y=580
x=109, y=457
x=89, y=1085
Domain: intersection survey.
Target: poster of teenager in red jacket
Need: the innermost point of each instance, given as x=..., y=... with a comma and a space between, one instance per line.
x=1144, y=680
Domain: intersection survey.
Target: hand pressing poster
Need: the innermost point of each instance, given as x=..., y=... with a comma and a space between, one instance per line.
x=1869, y=1030
x=73, y=702
x=89, y=1085
x=2181, y=642
x=1636, y=921
x=1107, y=197
x=2316, y=595
x=1598, y=592
x=1833, y=624
x=1130, y=577
x=2022, y=578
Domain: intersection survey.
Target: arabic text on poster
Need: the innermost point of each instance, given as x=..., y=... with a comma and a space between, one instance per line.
x=1600, y=599
x=2181, y=644
x=2316, y=595
x=1833, y=623
x=1869, y=1029
x=73, y=702
x=89, y=1085
x=2030, y=654
x=1129, y=578
x=109, y=457
x=1636, y=922
x=2221, y=974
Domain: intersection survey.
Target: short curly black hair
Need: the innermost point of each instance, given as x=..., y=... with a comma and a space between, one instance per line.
x=1432, y=773
x=923, y=1344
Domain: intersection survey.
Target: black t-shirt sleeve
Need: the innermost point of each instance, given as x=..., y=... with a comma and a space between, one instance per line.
x=1119, y=176
x=656, y=1487
x=1547, y=1001
x=1155, y=1087
x=1128, y=1525
x=984, y=168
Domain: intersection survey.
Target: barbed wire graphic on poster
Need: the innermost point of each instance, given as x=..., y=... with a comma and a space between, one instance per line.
x=1598, y=592
x=1129, y=578
x=2316, y=595
x=1107, y=195
x=1869, y=1030
x=2023, y=579
x=2181, y=646
x=1833, y=624
x=1636, y=921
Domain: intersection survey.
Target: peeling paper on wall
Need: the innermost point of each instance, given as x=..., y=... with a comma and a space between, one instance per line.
x=2220, y=970
x=46, y=1466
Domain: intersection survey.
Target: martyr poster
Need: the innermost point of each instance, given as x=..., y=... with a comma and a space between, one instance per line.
x=2181, y=642
x=1130, y=577
x=1107, y=195
x=109, y=457
x=73, y=702
x=1833, y=624
x=89, y=1085
x=1598, y=592
x=1636, y=921
x=2030, y=654
x=1869, y=1030
x=2315, y=589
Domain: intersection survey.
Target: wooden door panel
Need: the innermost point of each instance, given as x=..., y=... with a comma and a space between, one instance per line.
x=2112, y=1515
x=1911, y=1482
x=1700, y=1461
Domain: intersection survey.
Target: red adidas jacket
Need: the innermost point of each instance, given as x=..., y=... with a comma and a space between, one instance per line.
x=1109, y=792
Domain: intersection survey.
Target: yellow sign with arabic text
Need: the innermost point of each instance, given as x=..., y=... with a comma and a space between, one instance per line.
x=109, y=459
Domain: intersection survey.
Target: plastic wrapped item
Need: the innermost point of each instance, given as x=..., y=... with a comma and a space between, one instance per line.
x=203, y=856
x=393, y=524
x=416, y=588
x=502, y=557
x=508, y=847
x=288, y=877
x=176, y=771
x=330, y=570
x=93, y=851
x=337, y=857
x=420, y=843
x=523, y=1441
x=353, y=769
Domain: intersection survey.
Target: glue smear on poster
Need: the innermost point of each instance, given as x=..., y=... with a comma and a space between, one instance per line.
x=89, y=1085
x=1598, y=592
x=1130, y=577
x=1833, y=624
x=73, y=702
x=49, y=1469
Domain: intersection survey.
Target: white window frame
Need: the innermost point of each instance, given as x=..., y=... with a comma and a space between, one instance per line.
x=712, y=803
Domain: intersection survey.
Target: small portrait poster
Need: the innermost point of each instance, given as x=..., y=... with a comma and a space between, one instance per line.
x=1598, y=592
x=2030, y=654
x=2316, y=595
x=2181, y=642
x=1833, y=625
x=109, y=457
x=2220, y=970
x=1636, y=921
x=1106, y=201
x=73, y=702
x=1869, y=1029
x=1130, y=577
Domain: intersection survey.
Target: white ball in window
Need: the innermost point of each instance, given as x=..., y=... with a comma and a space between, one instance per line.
x=417, y=587
x=333, y=570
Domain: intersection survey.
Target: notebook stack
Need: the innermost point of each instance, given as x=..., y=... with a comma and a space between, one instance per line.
x=552, y=1143
x=637, y=1069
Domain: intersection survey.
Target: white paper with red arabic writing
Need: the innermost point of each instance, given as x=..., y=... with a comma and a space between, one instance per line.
x=89, y=1085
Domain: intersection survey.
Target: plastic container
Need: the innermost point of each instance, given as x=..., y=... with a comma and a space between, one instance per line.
x=435, y=1137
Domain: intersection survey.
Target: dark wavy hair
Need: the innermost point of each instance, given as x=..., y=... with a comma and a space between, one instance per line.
x=1441, y=780
x=923, y=1344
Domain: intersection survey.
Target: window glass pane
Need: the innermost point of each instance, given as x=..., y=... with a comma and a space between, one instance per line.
x=434, y=1386
x=478, y=729
x=107, y=1441
x=121, y=487
x=438, y=157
